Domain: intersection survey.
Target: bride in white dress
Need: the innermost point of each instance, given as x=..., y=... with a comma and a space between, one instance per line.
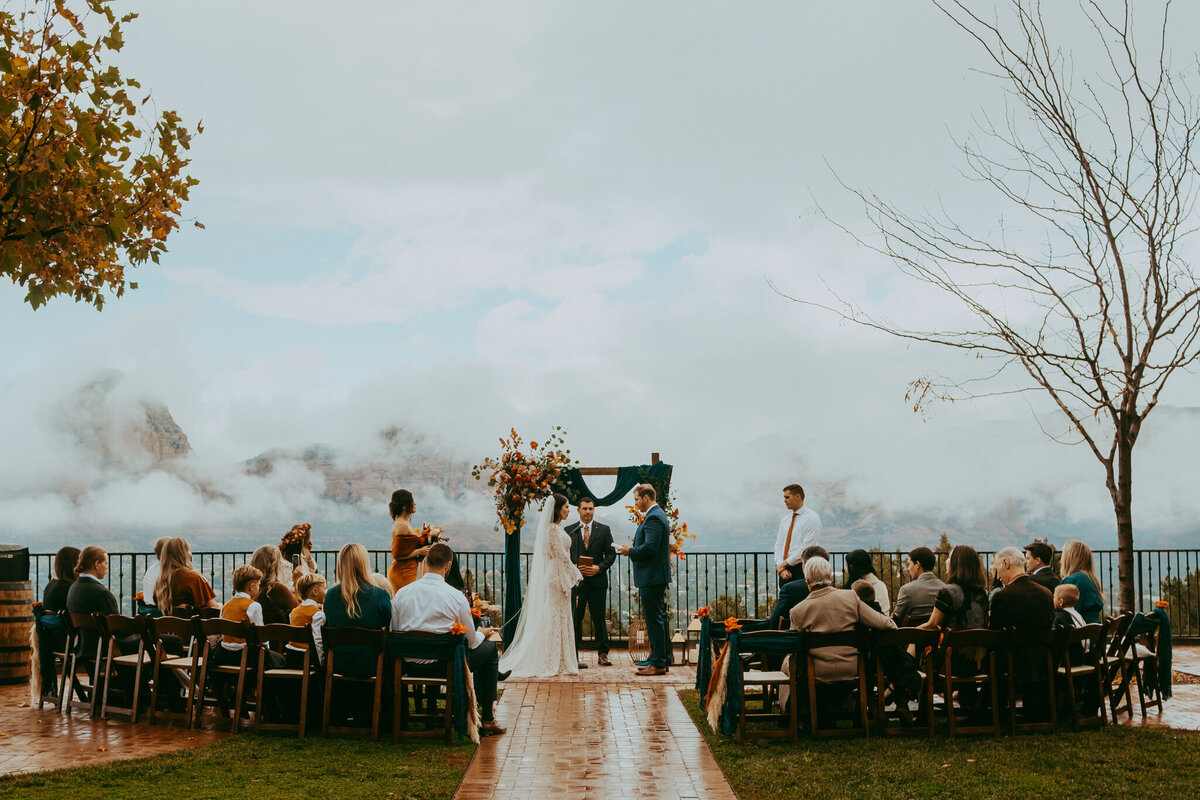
x=544, y=642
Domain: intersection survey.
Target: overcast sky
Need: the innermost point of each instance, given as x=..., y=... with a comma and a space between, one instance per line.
x=462, y=217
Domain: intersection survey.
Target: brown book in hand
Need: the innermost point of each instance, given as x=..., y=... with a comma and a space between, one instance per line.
x=585, y=561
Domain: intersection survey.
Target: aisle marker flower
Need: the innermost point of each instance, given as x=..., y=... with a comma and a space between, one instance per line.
x=732, y=625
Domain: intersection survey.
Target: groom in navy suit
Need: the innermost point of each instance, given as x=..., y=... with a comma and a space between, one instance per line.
x=651, y=557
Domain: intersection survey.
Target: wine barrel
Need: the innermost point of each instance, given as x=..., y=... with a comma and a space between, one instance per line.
x=16, y=620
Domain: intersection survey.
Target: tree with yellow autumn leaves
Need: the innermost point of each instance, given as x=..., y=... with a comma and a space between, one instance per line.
x=93, y=184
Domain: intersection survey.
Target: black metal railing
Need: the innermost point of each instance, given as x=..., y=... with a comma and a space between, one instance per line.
x=731, y=583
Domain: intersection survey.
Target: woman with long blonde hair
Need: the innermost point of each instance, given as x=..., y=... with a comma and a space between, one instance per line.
x=354, y=601
x=1079, y=571
x=180, y=590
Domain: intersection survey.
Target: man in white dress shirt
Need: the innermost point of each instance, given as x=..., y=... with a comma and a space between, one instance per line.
x=152, y=572
x=431, y=605
x=800, y=528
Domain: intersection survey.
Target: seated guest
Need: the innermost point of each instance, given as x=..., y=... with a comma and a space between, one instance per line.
x=860, y=567
x=150, y=578
x=180, y=590
x=915, y=600
x=312, y=589
x=296, y=550
x=1038, y=556
x=54, y=596
x=1066, y=595
x=1079, y=572
x=963, y=602
x=1023, y=605
x=276, y=599
x=431, y=605
x=830, y=610
x=866, y=593
x=356, y=602
x=89, y=595
x=795, y=591
x=242, y=607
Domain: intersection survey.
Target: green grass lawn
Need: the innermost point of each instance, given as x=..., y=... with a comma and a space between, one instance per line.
x=252, y=767
x=1098, y=763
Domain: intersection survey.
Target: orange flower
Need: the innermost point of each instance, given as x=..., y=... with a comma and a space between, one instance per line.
x=732, y=625
x=458, y=629
x=476, y=613
x=533, y=445
x=1161, y=604
x=703, y=611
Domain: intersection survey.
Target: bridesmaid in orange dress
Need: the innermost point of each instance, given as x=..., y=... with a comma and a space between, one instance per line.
x=407, y=546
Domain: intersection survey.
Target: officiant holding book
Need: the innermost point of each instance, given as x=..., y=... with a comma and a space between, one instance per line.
x=592, y=551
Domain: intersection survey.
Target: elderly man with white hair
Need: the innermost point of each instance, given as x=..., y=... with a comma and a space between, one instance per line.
x=1023, y=605
x=830, y=610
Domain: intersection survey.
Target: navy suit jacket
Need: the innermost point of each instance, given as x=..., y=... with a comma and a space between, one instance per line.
x=651, y=550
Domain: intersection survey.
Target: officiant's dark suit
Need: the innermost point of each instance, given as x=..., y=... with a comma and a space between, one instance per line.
x=591, y=594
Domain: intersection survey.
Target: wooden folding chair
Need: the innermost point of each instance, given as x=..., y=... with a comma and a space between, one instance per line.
x=984, y=677
x=216, y=676
x=117, y=627
x=1040, y=647
x=78, y=628
x=415, y=681
x=1119, y=666
x=280, y=634
x=166, y=632
x=1083, y=658
x=768, y=683
x=926, y=644
x=860, y=640
x=375, y=638
x=54, y=625
x=1143, y=658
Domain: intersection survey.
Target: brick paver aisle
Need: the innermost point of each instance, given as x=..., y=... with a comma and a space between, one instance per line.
x=603, y=734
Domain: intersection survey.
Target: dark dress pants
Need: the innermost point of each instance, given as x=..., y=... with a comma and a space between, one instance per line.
x=654, y=608
x=484, y=663
x=591, y=599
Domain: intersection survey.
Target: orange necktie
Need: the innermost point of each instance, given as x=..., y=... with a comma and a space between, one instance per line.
x=788, y=543
x=586, y=536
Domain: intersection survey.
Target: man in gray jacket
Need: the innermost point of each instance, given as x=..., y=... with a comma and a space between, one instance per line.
x=914, y=603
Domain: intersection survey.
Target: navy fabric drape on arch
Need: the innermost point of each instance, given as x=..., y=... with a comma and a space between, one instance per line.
x=574, y=487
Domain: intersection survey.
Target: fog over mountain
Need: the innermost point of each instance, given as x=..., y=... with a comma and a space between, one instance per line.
x=122, y=472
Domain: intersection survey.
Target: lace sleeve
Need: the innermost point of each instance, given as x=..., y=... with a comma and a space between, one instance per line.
x=562, y=573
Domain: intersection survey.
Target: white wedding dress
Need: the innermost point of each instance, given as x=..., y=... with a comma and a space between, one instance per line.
x=544, y=642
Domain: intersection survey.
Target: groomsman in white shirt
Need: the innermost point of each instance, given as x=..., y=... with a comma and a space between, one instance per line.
x=799, y=529
x=431, y=605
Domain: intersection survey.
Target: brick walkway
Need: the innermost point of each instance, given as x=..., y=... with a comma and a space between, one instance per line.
x=604, y=734
x=34, y=741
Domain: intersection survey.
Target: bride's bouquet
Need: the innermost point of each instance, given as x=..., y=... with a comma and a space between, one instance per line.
x=519, y=477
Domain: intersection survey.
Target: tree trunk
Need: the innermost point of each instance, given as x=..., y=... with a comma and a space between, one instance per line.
x=1122, y=495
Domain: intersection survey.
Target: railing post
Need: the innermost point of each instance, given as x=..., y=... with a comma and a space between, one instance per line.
x=1140, y=604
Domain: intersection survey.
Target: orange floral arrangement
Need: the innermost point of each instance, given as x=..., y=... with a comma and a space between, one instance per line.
x=431, y=533
x=477, y=613
x=1161, y=604
x=678, y=530
x=703, y=611
x=732, y=625
x=458, y=629
x=519, y=478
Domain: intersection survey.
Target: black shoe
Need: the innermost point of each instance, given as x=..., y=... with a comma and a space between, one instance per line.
x=503, y=676
x=582, y=665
